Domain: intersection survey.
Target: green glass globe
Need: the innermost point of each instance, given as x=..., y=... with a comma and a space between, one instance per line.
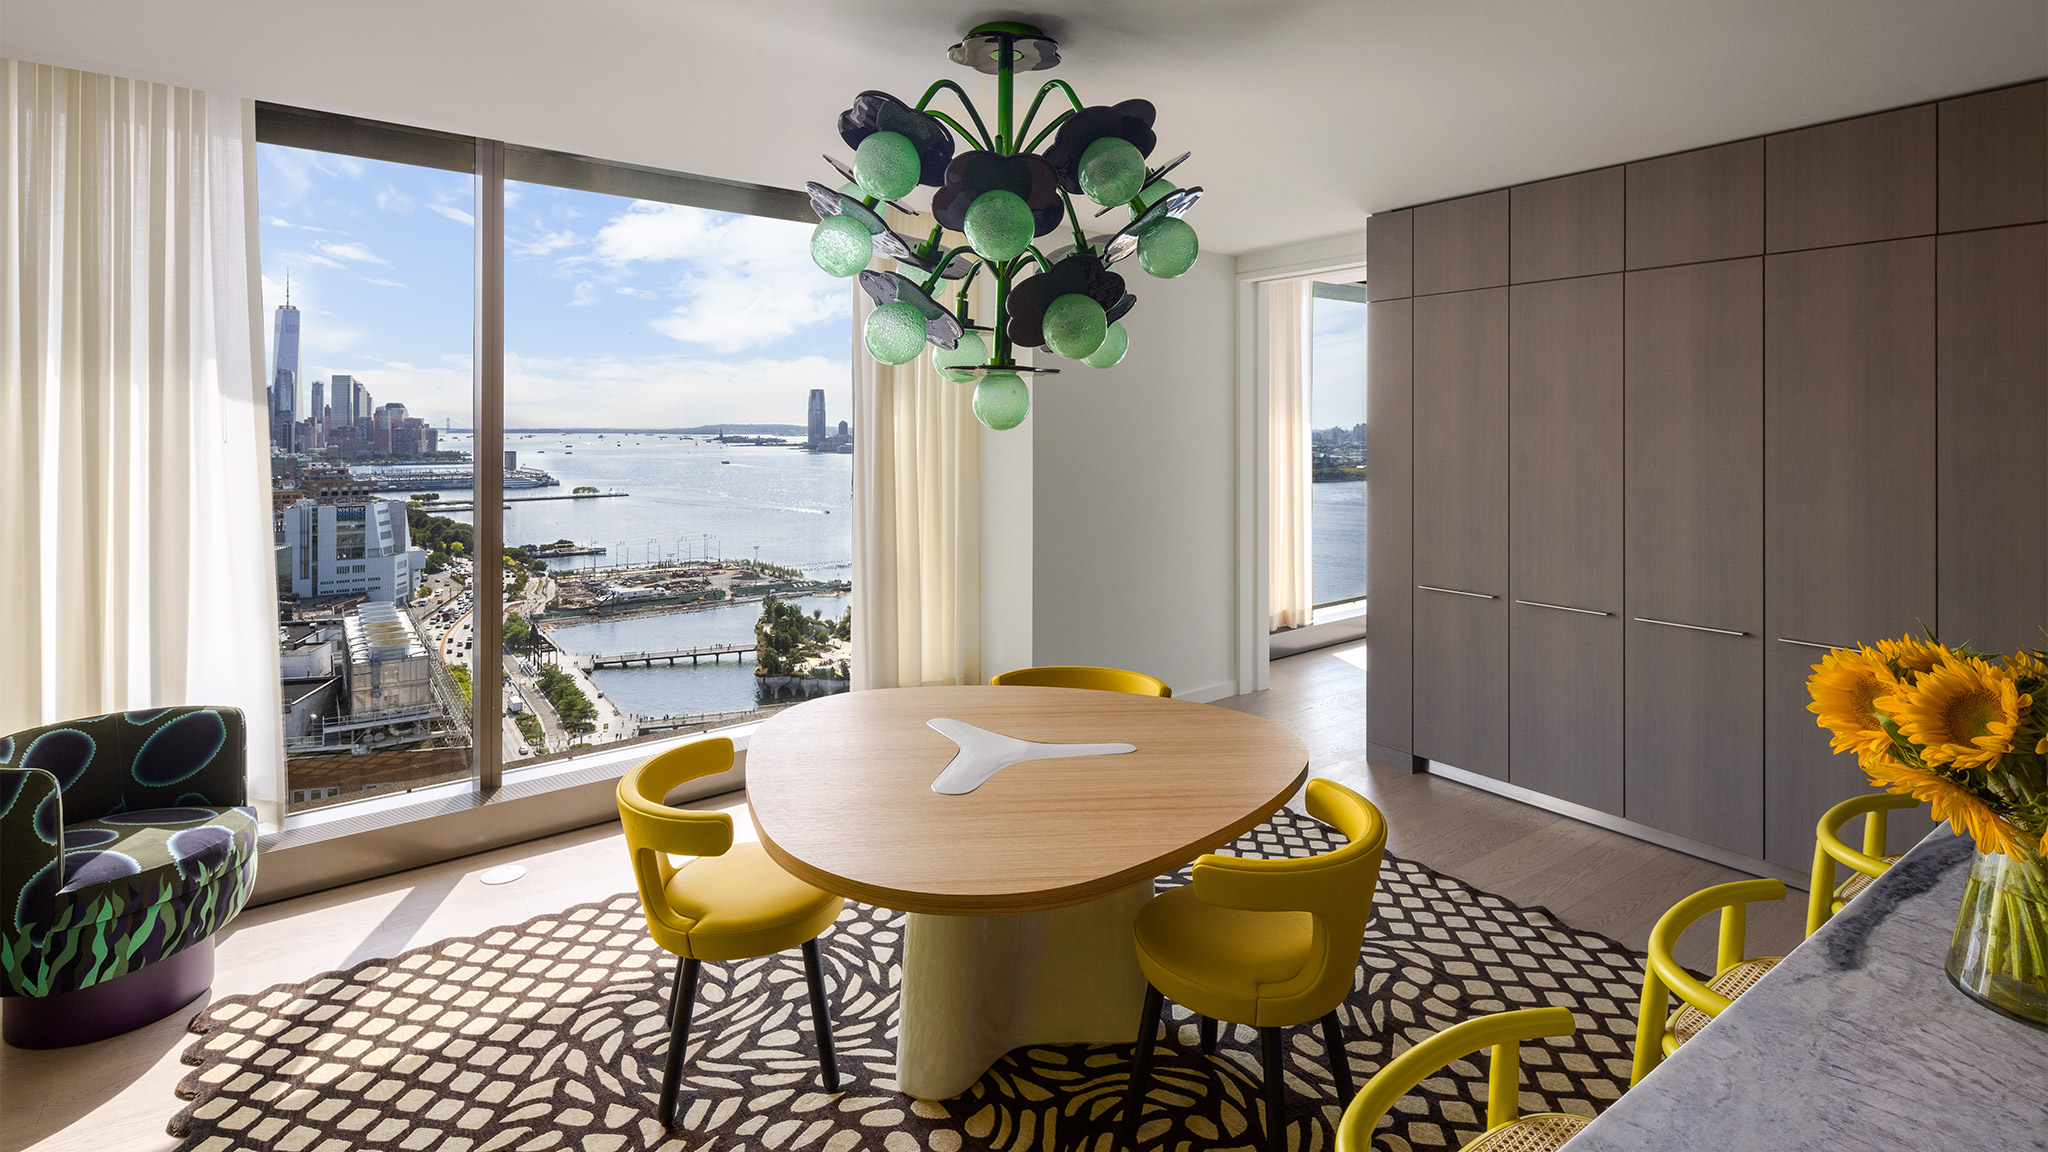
x=854, y=190
x=1168, y=248
x=886, y=165
x=841, y=245
x=895, y=333
x=998, y=225
x=1001, y=400
x=971, y=351
x=1112, y=171
x=1153, y=192
x=1074, y=326
x=1115, y=342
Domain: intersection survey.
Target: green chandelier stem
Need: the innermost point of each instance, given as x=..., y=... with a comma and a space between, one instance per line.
x=1006, y=84
x=960, y=298
x=1074, y=218
x=942, y=85
x=1001, y=343
x=1048, y=130
x=1032, y=113
x=955, y=125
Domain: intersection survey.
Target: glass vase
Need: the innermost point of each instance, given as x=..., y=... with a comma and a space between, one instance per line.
x=1999, y=956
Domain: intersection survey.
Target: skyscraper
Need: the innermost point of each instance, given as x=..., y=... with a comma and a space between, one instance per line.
x=818, y=432
x=341, y=393
x=318, y=414
x=284, y=375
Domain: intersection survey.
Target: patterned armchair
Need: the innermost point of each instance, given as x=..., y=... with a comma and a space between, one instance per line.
x=125, y=843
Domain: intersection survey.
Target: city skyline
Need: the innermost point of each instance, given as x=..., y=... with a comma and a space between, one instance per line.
x=619, y=313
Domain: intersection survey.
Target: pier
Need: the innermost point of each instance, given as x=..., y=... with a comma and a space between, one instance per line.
x=591, y=661
x=453, y=506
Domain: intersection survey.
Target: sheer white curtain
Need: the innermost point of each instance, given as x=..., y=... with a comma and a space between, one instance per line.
x=1289, y=317
x=135, y=518
x=916, y=521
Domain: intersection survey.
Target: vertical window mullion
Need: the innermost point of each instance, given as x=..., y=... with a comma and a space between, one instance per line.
x=487, y=580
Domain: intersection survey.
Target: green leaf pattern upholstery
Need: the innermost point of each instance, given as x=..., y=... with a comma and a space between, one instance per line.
x=123, y=840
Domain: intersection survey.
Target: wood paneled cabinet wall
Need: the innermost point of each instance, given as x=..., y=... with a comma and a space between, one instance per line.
x=1646, y=441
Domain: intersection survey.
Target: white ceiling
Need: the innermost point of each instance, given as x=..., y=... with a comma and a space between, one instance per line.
x=1304, y=115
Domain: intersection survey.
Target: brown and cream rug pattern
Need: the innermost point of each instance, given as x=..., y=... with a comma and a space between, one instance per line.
x=549, y=1035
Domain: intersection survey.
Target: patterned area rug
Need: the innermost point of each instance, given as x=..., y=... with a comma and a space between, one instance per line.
x=549, y=1035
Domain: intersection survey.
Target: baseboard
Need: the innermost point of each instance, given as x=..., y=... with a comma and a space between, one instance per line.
x=1208, y=695
x=1630, y=828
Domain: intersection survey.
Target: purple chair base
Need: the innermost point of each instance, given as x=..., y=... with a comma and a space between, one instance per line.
x=122, y=1004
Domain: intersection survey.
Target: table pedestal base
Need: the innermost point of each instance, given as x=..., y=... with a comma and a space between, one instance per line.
x=975, y=987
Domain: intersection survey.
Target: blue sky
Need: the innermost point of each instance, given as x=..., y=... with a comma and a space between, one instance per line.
x=619, y=313
x=1337, y=379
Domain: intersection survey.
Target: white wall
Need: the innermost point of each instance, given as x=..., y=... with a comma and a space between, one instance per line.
x=1133, y=493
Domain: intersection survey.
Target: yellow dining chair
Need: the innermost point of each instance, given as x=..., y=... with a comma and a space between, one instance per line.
x=1823, y=897
x=1659, y=1031
x=1507, y=1130
x=727, y=902
x=1269, y=943
x=1082, y=676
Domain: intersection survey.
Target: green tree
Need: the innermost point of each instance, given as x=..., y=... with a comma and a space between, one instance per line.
x=460, y=675
x=518, y=632
x=577, y=713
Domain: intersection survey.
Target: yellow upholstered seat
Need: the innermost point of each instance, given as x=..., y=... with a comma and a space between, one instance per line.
x=725, y=902
x=1824, y=897
x=1269, y=943
x=1506, y=1129
x=1083, y=676
x=1659, y=1031
x=742, y=904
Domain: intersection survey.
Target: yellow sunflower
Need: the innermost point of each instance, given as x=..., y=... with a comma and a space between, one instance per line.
x=1965, y=813
x=1911, y=659
x=2023, y=665
x=1965, y=712
x=1845, y=686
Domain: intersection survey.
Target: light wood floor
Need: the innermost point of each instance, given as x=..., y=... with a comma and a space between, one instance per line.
x=117, y=1094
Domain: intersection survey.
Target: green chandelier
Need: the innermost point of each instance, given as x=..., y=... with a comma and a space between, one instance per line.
x=1001, y=195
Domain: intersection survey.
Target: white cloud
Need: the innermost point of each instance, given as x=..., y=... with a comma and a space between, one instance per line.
x=586, y=295
x=281, y=222
x=355, y=252
x=455, y=214
x=549, y=241
x=635, y=293
x=382, y=283
x=748, y=280
x=310, y=258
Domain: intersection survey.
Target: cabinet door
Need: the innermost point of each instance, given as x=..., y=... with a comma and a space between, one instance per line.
x=1993, y=484
x=1570, y=226
x=1849, y=482
x=1390, y=518
x=1702, y=205
x=1565, y=539
x=1994, y=158
x=1850, y=182
x=1390, y=255
x=1460, y=530
x=1461, y=244
x=1694, y=552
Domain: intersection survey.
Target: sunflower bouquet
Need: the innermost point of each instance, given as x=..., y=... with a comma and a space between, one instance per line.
x=1968, y=734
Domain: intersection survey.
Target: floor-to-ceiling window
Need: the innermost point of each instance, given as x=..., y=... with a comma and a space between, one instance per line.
x=657, y=439
x=1337, y=445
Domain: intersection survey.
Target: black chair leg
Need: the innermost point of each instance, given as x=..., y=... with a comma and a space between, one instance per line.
x=1340, y=1064
x=821, y=1019
x=678, y=1040
x=1141, y=1066
x=675, y=993
x=1276, y=1092
x=1209, y=1035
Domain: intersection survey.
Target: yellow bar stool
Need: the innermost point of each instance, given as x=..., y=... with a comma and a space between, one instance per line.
x=1824, y=897
x=1659, y=1031
x=1269, y=943
x=728, y=902
x=1507, y=1130
x=1082, y=676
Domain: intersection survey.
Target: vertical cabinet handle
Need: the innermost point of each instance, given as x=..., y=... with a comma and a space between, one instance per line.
x=1689, y=627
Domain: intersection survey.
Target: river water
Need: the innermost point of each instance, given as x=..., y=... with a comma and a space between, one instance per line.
x=690, y=498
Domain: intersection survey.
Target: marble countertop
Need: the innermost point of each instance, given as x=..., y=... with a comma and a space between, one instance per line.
x=1855, y=1041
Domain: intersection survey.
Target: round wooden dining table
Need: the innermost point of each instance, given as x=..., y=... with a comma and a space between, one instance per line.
x=1022, y=888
